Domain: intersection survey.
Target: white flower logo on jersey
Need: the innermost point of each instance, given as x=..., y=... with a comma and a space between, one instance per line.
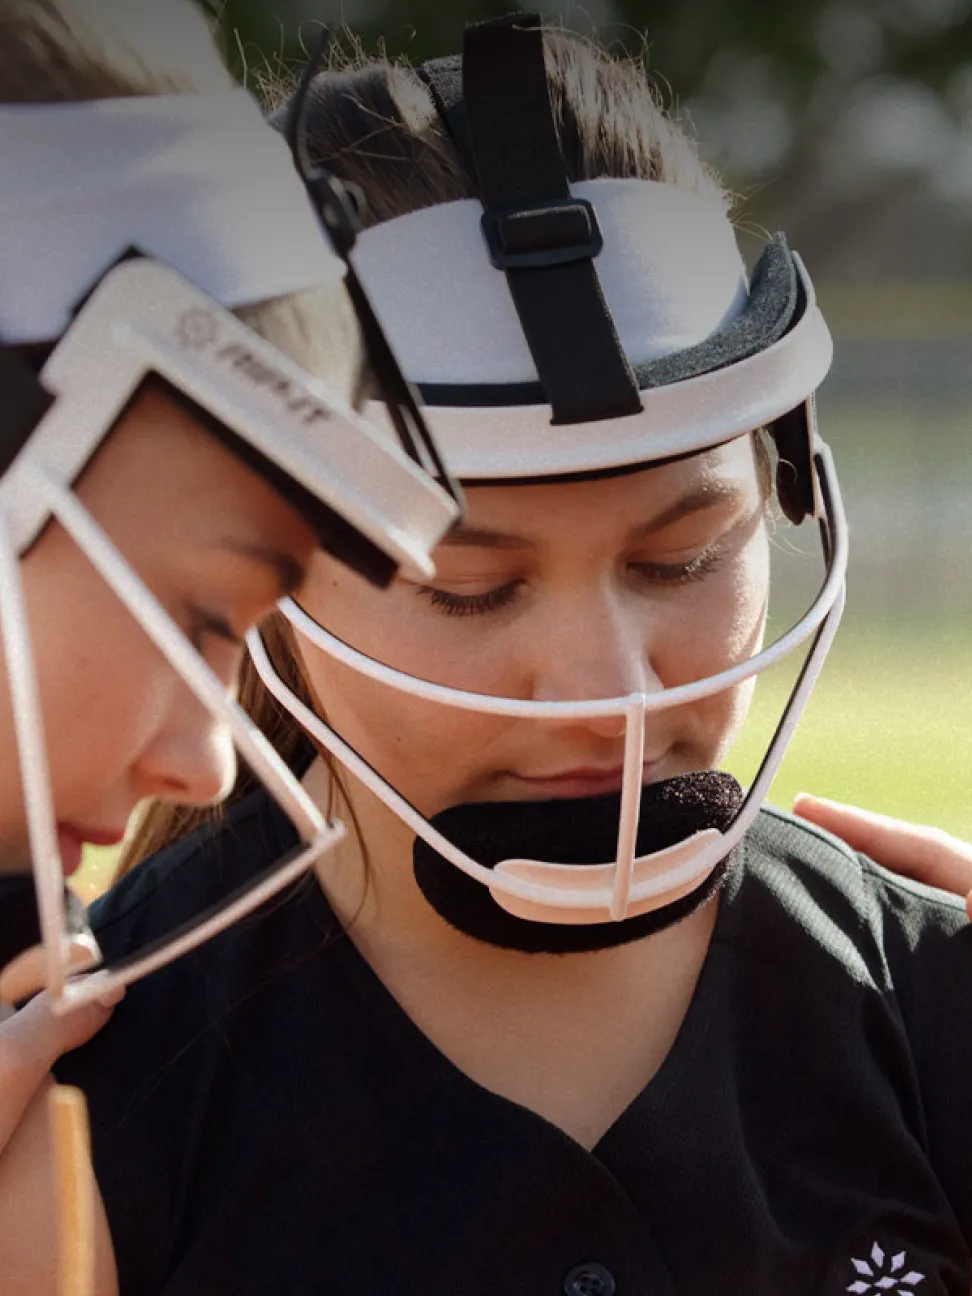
x=885, y=1274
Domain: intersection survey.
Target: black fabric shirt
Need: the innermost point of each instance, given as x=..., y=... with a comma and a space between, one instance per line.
x=267, y=1119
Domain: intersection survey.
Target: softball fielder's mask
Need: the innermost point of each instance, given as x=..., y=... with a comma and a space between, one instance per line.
x=128, y=229
x=564, y=330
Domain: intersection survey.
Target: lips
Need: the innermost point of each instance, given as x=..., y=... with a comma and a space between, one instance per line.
x=584, y=781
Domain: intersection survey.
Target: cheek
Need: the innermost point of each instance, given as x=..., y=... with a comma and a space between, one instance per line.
x=723, y=621
x=103, y=685
x=724, y=626
x=436, y=756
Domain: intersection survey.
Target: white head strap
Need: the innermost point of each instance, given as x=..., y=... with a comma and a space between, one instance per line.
x=198, y=181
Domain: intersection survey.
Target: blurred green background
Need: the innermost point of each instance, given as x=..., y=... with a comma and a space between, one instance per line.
x=848, y=123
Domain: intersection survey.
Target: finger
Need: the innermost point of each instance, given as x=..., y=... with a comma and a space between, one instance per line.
x=38, y=1036
x=30, y=1042
x=917, y=851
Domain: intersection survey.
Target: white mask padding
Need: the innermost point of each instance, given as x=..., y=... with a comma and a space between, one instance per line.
x=604, y=890
x=669, y=269
x=201, y=182
x=316, y=833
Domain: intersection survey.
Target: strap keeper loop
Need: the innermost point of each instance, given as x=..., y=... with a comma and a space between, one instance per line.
x=548, y=233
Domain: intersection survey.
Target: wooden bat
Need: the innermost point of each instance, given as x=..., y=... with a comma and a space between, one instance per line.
x=70, y=1137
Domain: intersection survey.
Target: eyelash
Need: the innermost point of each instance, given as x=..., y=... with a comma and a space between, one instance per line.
x=460, y=605
x=203, y=623
x=702, y=565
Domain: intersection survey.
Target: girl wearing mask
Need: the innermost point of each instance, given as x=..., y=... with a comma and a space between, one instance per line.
x=569, y=1011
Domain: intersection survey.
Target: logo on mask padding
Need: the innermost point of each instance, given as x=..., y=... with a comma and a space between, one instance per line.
x=198, y=330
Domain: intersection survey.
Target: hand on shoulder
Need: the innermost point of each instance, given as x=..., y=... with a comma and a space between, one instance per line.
x=925, y=854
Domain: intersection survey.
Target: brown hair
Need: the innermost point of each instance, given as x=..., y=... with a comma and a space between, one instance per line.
x=373, y=123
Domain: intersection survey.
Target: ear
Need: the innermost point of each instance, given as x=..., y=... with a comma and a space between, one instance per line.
x=794, y=434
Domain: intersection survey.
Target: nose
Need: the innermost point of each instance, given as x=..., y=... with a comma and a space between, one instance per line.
x=190, y=759
x=592, y=648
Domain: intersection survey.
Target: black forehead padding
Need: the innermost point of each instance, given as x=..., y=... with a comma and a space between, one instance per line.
x=19, y=921
x=772, y=309
x=335, y=534
x=25, y=402
x=581, y=831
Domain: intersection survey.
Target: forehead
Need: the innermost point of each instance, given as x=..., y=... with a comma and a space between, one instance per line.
x=616, y=503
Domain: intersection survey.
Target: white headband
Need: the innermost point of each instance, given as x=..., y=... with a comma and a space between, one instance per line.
x=670, y=271
x=201, y=182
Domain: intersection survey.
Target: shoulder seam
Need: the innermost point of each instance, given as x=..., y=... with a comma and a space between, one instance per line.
x=812, y=830
x=865, y=864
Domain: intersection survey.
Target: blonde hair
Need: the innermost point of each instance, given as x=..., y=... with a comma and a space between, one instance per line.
x=70, y=51
x=373, y=123
x=67, y=51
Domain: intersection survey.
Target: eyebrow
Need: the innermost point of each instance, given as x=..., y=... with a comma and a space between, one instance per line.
x=710, y=495
x=289, y=572
x=467, y=537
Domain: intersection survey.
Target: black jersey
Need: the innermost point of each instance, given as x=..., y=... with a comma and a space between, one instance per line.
x=267, y=1119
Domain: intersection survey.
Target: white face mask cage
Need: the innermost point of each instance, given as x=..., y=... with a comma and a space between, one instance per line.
x=144, y=321
x=317, y=835
x=627, y=886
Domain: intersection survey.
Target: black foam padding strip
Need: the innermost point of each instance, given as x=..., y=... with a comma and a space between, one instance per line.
x=770, y=312
x=25, y=402
x=569, y=831
x=335, y=534
x=19, y=920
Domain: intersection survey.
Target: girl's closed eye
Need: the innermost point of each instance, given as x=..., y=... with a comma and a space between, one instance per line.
x=202, y=624
x=454, y=604
x=681, y=573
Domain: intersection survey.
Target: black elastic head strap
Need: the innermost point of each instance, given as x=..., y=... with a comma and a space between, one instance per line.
x=339, y=207
x=497, y=109
x=495, y=105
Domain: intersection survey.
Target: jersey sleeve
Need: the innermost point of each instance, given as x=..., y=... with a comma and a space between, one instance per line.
x=927, y=941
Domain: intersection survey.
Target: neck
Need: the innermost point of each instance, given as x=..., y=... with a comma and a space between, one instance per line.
x=371, y=886
x=516, y=1023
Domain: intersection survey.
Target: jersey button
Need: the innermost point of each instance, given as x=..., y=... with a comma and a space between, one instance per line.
x=591, y=1279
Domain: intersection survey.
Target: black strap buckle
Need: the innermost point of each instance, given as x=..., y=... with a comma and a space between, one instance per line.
x=552, y=232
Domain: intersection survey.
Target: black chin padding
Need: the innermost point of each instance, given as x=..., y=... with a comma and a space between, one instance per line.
x=335, y=534
x=582, y=831
x=19, y=921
